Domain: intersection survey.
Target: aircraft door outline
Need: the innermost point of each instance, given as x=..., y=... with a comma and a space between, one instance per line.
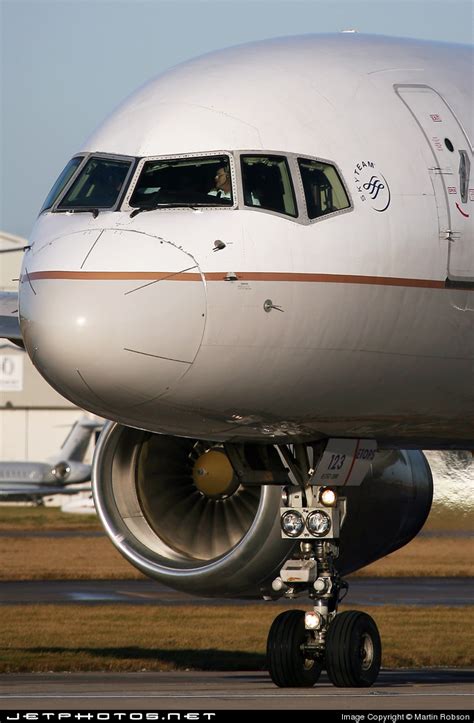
x=452, y=151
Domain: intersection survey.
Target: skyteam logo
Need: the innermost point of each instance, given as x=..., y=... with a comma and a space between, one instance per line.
x=372, y=186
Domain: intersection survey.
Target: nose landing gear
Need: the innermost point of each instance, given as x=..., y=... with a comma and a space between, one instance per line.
x=301, y=644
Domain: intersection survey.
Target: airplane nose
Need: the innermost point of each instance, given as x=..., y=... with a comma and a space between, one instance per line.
x=120, y=328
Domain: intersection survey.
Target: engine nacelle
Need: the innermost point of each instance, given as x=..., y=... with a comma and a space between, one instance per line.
x=230, y=545
x=388, y=509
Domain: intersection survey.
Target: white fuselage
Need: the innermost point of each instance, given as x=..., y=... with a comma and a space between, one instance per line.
x=357, y=323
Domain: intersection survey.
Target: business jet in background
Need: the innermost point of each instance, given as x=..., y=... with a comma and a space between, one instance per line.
x=65, y=473
x=261, y=269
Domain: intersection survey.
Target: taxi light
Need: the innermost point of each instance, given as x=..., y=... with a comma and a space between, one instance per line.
x=292, y=523
x=318, y=523
x=328, y=497
x=312, y=621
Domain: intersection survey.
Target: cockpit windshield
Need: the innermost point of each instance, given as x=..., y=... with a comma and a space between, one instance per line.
x=267, y=183
x=98, y=185
x=62, y=181
x=196, y=181
x=323, y=189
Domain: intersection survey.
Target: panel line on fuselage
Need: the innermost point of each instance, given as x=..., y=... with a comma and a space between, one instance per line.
x=157, y=356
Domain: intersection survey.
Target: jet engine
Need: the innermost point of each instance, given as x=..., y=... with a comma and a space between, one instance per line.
x=210, y=535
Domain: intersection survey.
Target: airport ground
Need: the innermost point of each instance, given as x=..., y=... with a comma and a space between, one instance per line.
x=41, y=543
x=44, y=544
x=119, y=638
x=154, y=650
x=437, y=690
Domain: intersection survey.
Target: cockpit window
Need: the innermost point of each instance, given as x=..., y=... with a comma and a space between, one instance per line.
x=62, y=181
x=196, y=181
x=267, y=184
x=98, y=184
x=323, y=188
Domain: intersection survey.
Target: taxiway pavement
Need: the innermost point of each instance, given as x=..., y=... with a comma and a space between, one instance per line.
x=451, y=689
x=362, y=591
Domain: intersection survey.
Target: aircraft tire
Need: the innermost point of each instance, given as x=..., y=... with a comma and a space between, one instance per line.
x=353, y=650
x=287, y=665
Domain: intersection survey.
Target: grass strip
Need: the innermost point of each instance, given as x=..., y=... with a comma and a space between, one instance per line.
x=426, y=557
x=136, y=638
x=18, y=517
x=442, y=518
x=67, y=558
x=86, y=558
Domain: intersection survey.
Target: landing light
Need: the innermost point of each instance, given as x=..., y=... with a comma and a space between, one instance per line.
x=318, y=523
x=292, y=523
x=328, y=497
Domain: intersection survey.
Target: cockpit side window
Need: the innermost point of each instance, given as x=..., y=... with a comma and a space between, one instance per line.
x=63, y=179
x=267, y=184
x=323, y=189
x=191, y=181
x=98, y=185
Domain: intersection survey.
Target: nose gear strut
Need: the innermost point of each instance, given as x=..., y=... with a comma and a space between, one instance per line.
x=301, y=644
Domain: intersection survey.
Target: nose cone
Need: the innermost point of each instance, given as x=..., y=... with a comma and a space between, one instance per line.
x=120, y=328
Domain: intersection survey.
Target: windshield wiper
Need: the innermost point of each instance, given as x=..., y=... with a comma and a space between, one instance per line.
x=176, y=204
x=93, y=211
x=138, y=210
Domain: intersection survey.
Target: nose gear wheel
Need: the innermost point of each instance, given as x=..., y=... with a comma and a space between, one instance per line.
x=288, y=663
x=353, y=650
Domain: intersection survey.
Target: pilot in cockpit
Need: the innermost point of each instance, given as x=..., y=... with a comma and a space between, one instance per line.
x=222, y=187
